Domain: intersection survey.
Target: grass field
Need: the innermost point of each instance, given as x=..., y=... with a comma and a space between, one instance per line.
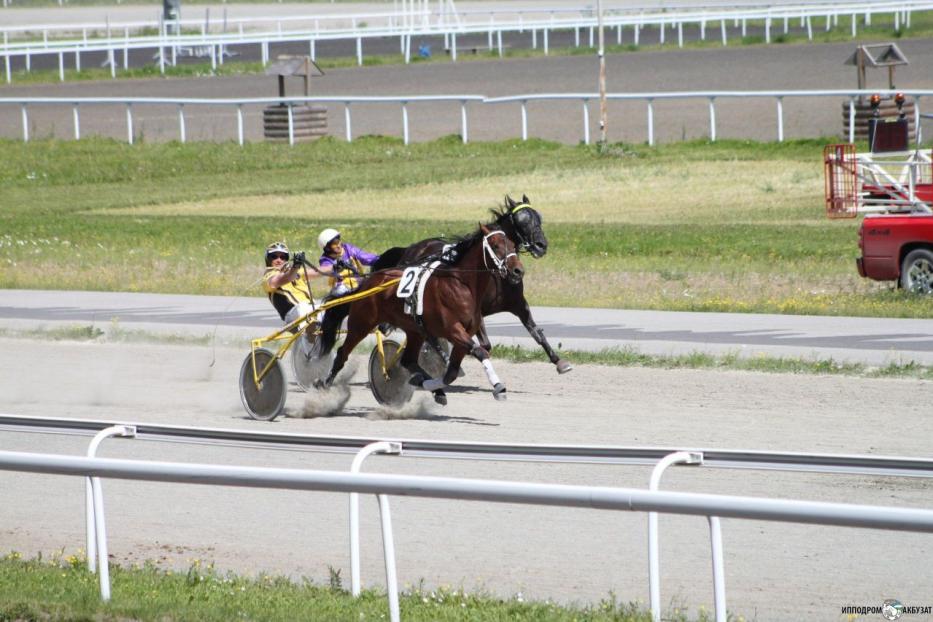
x=726, y=226
x=63, y=589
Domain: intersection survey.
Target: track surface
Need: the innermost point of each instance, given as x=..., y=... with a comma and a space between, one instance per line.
x=774, y=571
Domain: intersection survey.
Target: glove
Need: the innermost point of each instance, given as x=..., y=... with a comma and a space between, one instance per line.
x=299, y=258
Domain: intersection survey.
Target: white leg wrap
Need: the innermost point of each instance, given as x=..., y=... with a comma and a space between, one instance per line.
x=433, y=384
x=491, y=373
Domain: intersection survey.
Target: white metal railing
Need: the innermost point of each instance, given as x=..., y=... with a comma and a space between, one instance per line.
x=215, y=44
x=622, y=499
x=661, y=458
x=414, y=15
x=403, y=101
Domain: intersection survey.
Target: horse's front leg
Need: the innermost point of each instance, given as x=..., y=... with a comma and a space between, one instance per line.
x=464, y=344
x=483, y=337
x=524, y=314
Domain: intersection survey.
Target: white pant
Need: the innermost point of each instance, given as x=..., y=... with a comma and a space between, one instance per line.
x=299, y=310
x=339, y=289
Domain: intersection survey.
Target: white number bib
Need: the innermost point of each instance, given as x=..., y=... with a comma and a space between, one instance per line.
x=406, y=286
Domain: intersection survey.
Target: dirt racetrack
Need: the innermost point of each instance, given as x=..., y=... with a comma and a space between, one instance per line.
x=773, y=571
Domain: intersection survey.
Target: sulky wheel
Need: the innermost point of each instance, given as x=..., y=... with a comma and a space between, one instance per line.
x=432, y=361
x=307, y=362
x=917, y=271
x=391, y=388
x=267, y=401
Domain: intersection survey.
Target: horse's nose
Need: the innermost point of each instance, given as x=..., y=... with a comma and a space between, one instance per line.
x=538, y=249
x=517, y=273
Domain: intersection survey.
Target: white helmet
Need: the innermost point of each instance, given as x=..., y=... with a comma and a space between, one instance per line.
x=275, y=247
x=326, y=237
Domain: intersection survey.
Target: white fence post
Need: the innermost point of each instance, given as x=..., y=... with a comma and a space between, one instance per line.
x=181, y=123
x=654, y=568
x=463, y=122
x=719, y=575
x=239, y=124
x=382, y=447
x=650, y=122
x=25, y=117
x=780, y=119
x=524, y=119
x=77, y=121
x=346, y=116
x=851, y=119
x=405, y=122
x=291, y=125
x=712, y=119
x=96, y=532
x=129, y=123
x=586, y=121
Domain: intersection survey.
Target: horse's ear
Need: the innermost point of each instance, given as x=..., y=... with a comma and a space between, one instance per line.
x=483, y=228
x=509, y=201
x=525, y=199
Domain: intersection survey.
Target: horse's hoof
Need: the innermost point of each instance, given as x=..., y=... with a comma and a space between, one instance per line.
x=498, y=392
x=563, y=366
x=440, y=397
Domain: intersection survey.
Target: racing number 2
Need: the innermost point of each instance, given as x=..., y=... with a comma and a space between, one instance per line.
x=407, y=284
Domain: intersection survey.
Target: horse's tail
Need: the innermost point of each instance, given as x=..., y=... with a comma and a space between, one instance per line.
x=389, y=259
x=333, y=317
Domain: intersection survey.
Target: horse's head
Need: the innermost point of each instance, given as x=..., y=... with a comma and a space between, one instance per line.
x=526, y=223
x=500, y=251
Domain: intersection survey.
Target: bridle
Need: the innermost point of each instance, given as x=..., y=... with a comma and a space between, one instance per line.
x=488, y=251
x=523, y=244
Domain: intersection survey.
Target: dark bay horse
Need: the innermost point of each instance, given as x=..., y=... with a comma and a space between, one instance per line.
x=522, y=224
x=451, y=307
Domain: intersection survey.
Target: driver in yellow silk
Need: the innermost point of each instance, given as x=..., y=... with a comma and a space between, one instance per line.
x=288, y=292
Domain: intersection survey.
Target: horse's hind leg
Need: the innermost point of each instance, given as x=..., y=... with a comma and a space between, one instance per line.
x=420, y=378
x=356, y=332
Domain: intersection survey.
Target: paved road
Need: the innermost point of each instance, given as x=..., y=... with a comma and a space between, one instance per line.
x=874, y=341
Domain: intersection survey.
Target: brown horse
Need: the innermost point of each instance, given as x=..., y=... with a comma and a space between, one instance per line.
x=452, y=308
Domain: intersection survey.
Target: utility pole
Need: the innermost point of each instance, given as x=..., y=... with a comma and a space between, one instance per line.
x=602, y=74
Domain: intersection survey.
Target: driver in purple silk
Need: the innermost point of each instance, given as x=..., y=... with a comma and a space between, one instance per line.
x=343, y=260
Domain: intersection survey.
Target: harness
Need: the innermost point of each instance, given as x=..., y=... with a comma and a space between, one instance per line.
x=415, y=278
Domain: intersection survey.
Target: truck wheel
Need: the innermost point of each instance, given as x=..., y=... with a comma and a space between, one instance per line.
x=917, y=271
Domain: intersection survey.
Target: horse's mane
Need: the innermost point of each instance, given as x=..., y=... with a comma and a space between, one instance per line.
x=462, y=243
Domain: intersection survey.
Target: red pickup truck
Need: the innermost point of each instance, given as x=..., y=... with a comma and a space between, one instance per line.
x=898, y=247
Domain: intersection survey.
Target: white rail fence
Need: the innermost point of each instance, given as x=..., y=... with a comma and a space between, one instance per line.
x=169, y=42
x=585, y=99
x=661, y=458
x=383, y=485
